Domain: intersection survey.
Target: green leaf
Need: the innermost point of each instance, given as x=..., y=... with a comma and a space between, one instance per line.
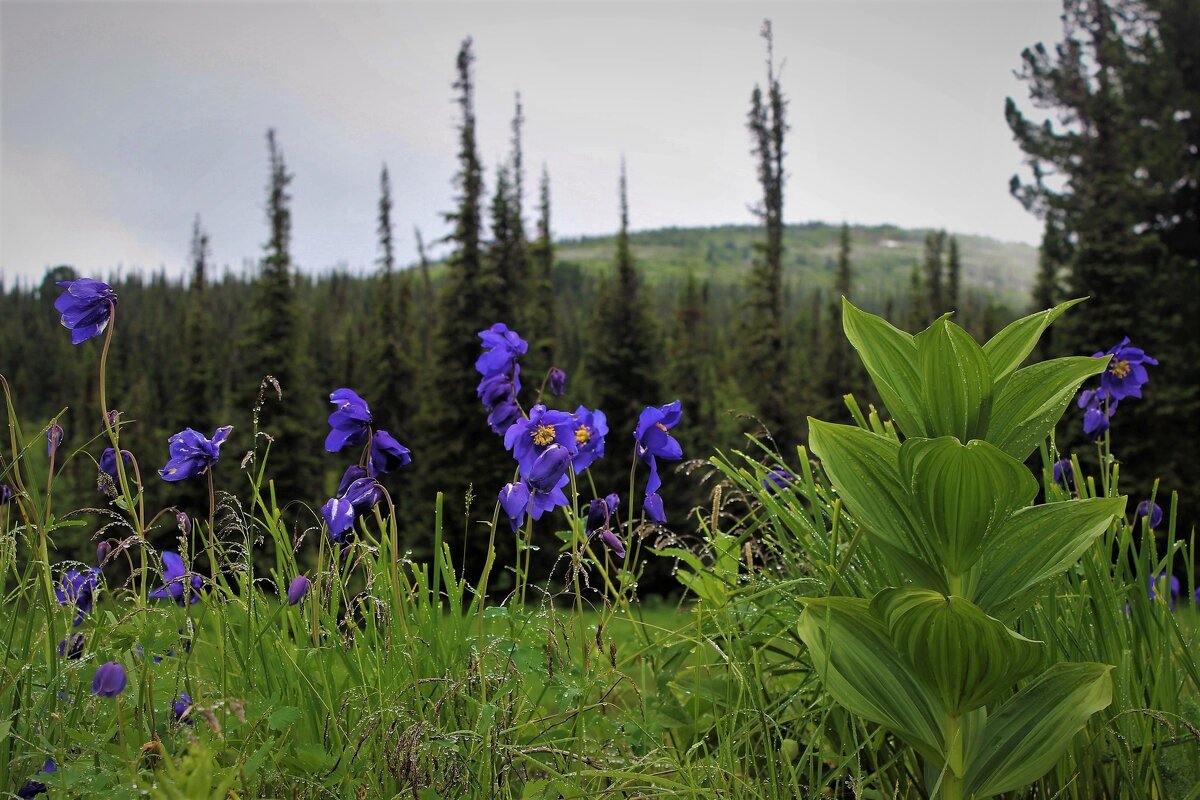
x=890, y=356
x=960, y=653
x=956, y=380
x=1032, y=401
x=1007, y=349
x=283, y=717
x=1039, y=543
x=964, y=493
x=853, y=655
x=1028, y=734
x=863, y=468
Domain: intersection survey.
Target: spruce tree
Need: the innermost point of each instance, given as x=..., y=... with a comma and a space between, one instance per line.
x=200, y=393
x=540, y=297
x=845, y=272
x=935, y=245
x=764, y=359
x=391, y=367
x=953, y=278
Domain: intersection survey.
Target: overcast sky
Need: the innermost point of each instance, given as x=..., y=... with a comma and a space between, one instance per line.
x=121, y=122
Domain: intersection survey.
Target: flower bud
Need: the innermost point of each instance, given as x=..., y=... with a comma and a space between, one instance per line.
x=102, y=551
x=297, y=589
x=54, y=437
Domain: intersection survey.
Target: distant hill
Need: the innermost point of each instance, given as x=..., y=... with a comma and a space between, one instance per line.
x=883, y=257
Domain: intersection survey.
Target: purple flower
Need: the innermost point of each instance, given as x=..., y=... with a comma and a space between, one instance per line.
x=1162, y=580
x=549, y=469
x=514, y=499
x=541, y=502
x=108, y=462
x=501, y=349
x=387, y=455
x=6, y=493
x=599, y=518
x=297, y=589
x=653, y=441
x=349, y=422
x=177, y=580
x=31, y=789
x=86, y=307
x=1153, y=514
x=1126, y=372
x=49, y=766
x=54, y=437
x=72, y=646
x=529, y=438
x=103, y=549
x=184, y=523
x=78, y=588
x=590, y=429
x=192, y=454
x=181, y=707
x=503, y=415
x=557, y=381
x=357, y=492
x=109, y=680
x=1096, y=418
x=1064, y=473
x=777, y=480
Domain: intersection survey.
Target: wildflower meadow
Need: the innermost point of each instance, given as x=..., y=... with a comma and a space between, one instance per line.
x=911, y=609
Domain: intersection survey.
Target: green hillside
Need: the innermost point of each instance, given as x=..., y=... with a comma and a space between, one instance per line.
x=883, y=258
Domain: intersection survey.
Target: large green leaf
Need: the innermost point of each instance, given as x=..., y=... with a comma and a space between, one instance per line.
x=956, y=382
x=861, y=669
x=960, y=653
x=863, y=469
x=963, y=493
x=890, y=356
x=1026, y=736
x=1036, y=544
x=1007, y=349
x=1031, y=402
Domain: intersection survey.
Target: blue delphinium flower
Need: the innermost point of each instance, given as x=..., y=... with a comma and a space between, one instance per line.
x=72, y=646
x=501, y=373
x=1064, y=473
x=78, y=588
x=546, y=479
x=590, y=429
x=108, y=462
x=557, y=381
x=178, y=584
x=181, y=707
x=1126, y=372
x=514, y=499
x=601, y=513
x=528, y=438
x=6, y=493
x=31, y=789
x=356, y=493
x=109, y=680
x=1151, y=512
x=777, y=480
x=54, y=437
x=387, y=455
x=297, y=589
x=1096, y=416
x=192, y=454
x=501, y=349
x=86, y=307
x=350, y=421
x=654, y=441
x=1162, y=581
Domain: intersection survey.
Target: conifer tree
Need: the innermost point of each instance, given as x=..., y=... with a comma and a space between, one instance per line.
x=390, y=365
x=277, y=346
x=689, y=369
x=200, y=394
x=845, y=273
x=935, y=245
x=953, y=277
x=543, y=324
x=764, y=360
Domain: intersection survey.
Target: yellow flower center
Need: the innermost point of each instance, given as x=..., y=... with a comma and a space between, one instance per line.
x=583, y=434
x=660, y=425
x=1120, y=368
x=543, y=435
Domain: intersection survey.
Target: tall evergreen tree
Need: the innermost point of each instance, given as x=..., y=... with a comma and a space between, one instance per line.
x=935, y=246
x=543, y=323
x=201, y=392
x=845, y=272
x=391, y=367
x=764, y=349
x=277, y=346
x=689, y=370
x=953, y=277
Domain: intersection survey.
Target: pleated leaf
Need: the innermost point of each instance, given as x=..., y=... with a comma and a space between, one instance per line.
x=861, y=669
x=1027, y=735
x=1007, y=349
x=963, y=493
x=890, y=356
x=960, y=653
x=956, y=382
x=1037, y=544
x=1033, y=399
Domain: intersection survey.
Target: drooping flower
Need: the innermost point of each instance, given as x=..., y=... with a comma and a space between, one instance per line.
x=549, y=469
x=192, y=454
x=178, y=584
x=514, y=499
x=78, y=588
x=503, y=415
x=541, y=502
x=297, y=589
x=103, y=549
x=557, y=381
x=1126, y=372
x=654, y=441
x=1096, y=417
x=31, y=789
x=528, y=438
x=350, y=421
x=54, y=437
x=1162, y=582
x=1151, y=512
x=357, y=493
x=590, y=429
x=72, y=646
x=777, y=480
x=108, y=462
x=1064, y=473
x=387, y=455
x=599, y=518
x=184, y=523
x=86, y=307
x=6, y=493
x=501, y=348
x=181, y=707
x=109, y=680
x=501, y=381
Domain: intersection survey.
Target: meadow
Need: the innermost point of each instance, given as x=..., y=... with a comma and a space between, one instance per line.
x=907, y=610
